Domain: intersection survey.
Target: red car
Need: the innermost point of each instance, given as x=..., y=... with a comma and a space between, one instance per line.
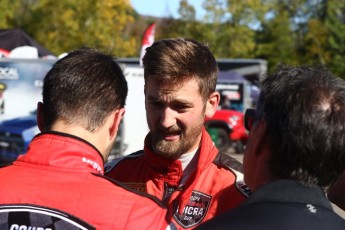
x=226, y=129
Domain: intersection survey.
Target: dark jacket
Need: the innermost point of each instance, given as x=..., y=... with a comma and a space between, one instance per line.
x=283, y=204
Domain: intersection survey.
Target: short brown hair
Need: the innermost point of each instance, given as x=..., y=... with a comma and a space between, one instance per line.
x=175, y=60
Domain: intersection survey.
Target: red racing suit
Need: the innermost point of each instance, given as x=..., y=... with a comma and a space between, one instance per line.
x=60, y=182
x=213, y=188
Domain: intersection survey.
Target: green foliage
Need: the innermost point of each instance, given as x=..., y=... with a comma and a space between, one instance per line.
x=334, y=22
x=276, y=40
x=65, y=25
x=8, y=10
x=280, y=31
x=186, y=11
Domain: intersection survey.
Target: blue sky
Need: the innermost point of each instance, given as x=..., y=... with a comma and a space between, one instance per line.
x=163, y=8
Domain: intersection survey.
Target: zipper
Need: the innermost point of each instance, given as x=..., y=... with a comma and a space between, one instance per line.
x=168, y=190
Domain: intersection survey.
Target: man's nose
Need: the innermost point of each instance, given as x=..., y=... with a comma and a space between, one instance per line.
x=168, y=117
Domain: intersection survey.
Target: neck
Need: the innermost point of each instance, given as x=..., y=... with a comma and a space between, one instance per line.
x=263, y=176
x=93, y=138
x=187, y=158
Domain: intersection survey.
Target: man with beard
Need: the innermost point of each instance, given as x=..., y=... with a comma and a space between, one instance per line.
x=59, y=182
x=180, y=164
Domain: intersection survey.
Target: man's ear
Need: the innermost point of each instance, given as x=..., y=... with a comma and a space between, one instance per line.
x=117, y=116
x=212, y=104
x=40, y=117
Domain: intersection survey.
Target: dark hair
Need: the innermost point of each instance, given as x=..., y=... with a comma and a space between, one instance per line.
x=83, y=88
x=304, y=109
x=173, y=61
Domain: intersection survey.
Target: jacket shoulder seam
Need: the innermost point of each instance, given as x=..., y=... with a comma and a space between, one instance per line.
x=110, y=165
x=227, y=161
x=124, y=186
x=230, y=163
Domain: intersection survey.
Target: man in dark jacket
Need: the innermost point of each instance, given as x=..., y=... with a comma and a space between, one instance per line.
x=59, y=183
x=295, y=152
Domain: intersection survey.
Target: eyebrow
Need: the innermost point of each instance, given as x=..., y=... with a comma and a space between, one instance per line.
x=175, y=101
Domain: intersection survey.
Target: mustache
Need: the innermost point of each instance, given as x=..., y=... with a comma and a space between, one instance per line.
x=169, y=131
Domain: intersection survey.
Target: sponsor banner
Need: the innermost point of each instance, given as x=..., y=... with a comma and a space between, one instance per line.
x=21, y=82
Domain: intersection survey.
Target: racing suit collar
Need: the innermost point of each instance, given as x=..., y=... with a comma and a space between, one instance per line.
x=171, y=171
x=208, y=153
x=276, y=191
x=64, y=151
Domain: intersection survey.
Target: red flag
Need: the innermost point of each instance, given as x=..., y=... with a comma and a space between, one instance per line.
x=4, y=53
x=148, y=39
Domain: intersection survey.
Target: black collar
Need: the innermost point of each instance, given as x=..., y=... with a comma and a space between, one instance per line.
x=290, y=191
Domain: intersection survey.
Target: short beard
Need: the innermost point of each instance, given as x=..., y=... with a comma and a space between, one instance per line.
x=168, y=150
x=173, y=150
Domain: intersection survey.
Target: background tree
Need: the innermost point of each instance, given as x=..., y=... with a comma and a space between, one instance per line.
x=11, y=9
x=335, y=44
x=234, y=25
x=185, y=26
x=68, y=24
x=276, y=41
x=280, y=31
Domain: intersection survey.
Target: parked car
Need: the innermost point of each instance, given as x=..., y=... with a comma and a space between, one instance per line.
x=15, y=135
x=226, y=129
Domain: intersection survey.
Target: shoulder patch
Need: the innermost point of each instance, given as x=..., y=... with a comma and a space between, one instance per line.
x=240, y=185
x=236, y=167
x=228, y=162
x=110, y=165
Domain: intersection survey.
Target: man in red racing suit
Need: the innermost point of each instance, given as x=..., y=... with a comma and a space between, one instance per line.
x=180, y=164
x=215, y=186
x=69, y=181
x=58, y=183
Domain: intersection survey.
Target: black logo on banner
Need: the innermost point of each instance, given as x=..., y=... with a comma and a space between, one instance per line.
x=194, y=211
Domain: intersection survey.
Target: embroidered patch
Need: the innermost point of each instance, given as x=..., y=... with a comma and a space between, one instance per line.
x=194, y=211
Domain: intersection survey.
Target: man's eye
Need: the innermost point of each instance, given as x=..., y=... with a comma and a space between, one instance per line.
x=181, y=108
x=156, y=104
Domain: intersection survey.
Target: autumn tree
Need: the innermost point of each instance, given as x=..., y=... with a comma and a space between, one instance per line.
x=13, y=10
x=65, y=25
x=334, y=21
x=234, y=26
x=185, y=26
x=276, y=40
x=280, y=31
